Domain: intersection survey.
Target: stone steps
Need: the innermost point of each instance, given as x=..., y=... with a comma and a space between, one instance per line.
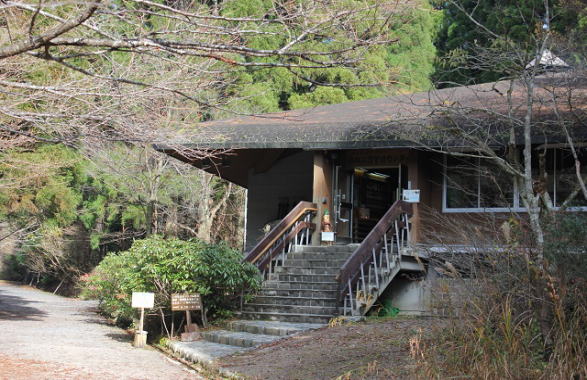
x=347, y=248
x=323, y=285
x=286, y=277
x=290, y=309
x=306, y=293
x=317, y=256
x=287, y=317
x=240, y=336
x=332, y=271
x=299, y=301
x=272, y=328
x=237, y=338
x=304, y=289
x=314, y=263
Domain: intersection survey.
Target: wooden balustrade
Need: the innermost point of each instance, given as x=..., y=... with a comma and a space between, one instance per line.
x=372, y=266
x=295, y=229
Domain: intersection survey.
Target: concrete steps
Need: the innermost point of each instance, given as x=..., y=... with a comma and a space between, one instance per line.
x=239, y=336
x=299, y=301
x=331, y=271
x=272, y=328
x=320, y=285
x=315, y=263
x=290, y=309
x=306, y=293
x=286, y=277
x=304, y=289
x=287, y=317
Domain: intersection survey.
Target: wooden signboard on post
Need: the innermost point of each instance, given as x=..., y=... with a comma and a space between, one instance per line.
x=188, y=302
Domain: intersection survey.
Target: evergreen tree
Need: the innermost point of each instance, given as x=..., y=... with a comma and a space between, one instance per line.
x=403, y=65
x=473, y=33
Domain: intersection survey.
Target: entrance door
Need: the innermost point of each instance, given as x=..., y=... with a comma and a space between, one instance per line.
x=375, y=190
x=342, y=204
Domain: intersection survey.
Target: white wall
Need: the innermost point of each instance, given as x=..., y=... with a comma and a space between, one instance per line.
x=290, y=178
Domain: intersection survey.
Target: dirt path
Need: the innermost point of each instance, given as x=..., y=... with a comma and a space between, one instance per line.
x=43, y=336
x=378, y=349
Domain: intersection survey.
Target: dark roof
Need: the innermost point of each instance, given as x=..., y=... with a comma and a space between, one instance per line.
x=361, y=124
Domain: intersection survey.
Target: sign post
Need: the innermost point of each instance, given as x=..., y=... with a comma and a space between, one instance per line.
x=142, y=300
x=187, y=302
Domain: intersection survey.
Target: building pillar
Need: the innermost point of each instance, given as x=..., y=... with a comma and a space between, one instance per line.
x=416, y=183
x=321, y=190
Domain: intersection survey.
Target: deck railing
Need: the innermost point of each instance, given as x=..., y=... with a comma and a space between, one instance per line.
x=295, y=229
x=372, y=266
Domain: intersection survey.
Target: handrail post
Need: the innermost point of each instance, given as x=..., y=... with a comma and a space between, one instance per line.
x=353, y=270
x=292, y=230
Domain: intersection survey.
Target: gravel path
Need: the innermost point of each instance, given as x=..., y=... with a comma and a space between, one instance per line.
x=43, y=336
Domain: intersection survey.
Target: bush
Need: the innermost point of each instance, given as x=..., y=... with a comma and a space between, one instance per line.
x=166, y=266
x=519, y=318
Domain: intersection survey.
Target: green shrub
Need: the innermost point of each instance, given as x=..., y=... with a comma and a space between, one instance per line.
x=166, y=266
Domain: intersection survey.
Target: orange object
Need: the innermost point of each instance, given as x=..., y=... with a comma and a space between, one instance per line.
x=326, y=223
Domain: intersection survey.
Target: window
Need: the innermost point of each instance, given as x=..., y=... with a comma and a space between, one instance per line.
x=473, y=183
x=562, y=175
x=478, y=185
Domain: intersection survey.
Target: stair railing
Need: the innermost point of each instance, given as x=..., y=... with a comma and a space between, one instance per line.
x=372, y=266
x=295, y=229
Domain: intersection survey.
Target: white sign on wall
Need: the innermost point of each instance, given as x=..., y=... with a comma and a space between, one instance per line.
x=411, y=196
x=142, y=299
x=327, y=236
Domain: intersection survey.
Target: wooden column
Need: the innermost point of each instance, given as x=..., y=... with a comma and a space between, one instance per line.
x=414, y=178
x=321, y=189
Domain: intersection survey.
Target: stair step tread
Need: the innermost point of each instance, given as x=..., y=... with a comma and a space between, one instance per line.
x=309, y=267
x=286, y=306
x=299, y=290
x=298, y=298
x=260, y=338
x=275, y=328
x=304, y=282
x=202, y=351
x=287, y=314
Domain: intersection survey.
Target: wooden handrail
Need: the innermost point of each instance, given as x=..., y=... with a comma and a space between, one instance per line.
x=352, y=267
x=264, y=261
x=279, y=230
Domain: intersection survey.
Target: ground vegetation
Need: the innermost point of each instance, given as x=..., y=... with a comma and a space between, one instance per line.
x=167, y=266
x=521, y=315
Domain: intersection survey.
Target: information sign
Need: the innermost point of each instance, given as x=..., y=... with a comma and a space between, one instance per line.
x=143, y=300
x=186, y=301
x=411, y=196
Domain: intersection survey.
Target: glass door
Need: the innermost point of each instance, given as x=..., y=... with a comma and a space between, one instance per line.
x=342, y=204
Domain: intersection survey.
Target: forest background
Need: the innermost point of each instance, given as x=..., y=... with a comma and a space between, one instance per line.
x=69, y=195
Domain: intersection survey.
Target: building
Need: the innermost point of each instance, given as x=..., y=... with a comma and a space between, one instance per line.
x=358, y=159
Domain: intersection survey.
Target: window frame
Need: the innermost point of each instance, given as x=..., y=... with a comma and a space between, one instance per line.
x=445, y=209
x=517, y=204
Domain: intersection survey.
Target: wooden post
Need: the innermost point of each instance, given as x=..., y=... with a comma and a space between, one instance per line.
x=141, y=336
x=321, y=190
x=142, y=300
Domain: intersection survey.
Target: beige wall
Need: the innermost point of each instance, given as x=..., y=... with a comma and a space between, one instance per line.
x=287, y=179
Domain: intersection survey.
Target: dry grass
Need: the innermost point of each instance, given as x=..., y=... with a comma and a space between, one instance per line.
x=519, y=318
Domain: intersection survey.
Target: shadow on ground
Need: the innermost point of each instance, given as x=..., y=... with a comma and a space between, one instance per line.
x=17, y=308
x=120, y=337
